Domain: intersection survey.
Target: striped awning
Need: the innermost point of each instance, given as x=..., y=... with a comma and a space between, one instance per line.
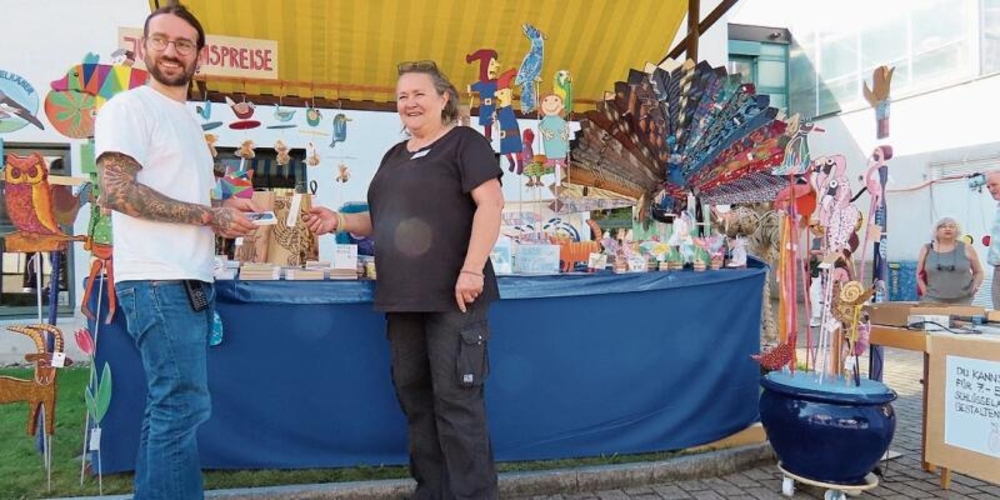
x=348, y=49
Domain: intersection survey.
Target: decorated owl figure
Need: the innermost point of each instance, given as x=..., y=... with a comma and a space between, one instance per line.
x=29, y=199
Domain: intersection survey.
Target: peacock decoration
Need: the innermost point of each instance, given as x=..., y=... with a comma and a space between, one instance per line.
x=676, y=129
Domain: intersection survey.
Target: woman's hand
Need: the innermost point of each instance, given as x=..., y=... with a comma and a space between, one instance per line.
x=467, y=288
x=922, y=287
x=321, y=220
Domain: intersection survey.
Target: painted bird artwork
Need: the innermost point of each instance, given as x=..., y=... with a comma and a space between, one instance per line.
x=9, y=108
x=100, y=80
x=243, y=110
x=339, y=129
x=681, y=128
x=528, y=75
x=30, y=205
x=27, y=193
x=283, y=114
x=562, y=86
x=205, y=109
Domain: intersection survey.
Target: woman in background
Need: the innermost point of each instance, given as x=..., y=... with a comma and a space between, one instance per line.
x=948, y=270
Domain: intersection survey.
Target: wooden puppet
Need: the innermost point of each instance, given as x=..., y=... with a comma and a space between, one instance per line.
x=486, y=87
x=283, y=158
x=510, y=131
x=555, y=134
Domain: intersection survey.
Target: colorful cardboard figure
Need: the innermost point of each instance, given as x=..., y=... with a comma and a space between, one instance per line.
x=878, y=98
x=244, y=111
x=313, y=116
x=562, y=85
x=486, y=87
x=555, y=134
x=529, y=74
x=283, y=114
x=343, y=173
x=28, y=196
x=797, y=159
x=510, y=131
x=238, y=183
x=533, y=164
x=339, y=129
x=76, y=97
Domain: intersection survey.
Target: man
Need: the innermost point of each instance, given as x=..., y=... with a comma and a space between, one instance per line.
x=156, y=175
x=993, y=257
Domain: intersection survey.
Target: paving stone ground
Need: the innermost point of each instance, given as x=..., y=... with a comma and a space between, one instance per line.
x=904, y=478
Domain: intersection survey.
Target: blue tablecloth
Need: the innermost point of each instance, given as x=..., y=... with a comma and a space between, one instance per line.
x=582, y=365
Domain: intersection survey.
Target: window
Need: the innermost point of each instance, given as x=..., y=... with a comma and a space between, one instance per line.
x=929, y=42
x=267, y=173
x=990, y=43
x=759, y=55
x=19, y=283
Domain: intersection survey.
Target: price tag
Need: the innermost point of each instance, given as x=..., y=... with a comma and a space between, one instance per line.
x=58, y=359
x=293, y=210
x=95, y=439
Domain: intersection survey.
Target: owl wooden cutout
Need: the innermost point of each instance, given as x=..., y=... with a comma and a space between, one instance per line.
x=29, y=204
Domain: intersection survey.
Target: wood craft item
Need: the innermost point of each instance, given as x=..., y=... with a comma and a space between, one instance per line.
x=28, y=196
x=291, y=244
x=39, y=392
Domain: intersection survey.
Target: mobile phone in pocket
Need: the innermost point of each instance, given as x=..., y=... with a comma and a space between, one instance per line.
x=196, y=295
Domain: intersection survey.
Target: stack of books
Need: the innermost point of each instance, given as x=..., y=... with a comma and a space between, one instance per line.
x=344, y=274
x=298, y=273
x=260, y=271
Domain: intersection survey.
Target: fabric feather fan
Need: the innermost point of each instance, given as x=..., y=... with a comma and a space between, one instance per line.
x=677, y=128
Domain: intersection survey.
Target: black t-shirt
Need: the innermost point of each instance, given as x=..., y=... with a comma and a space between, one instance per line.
x=421, y=210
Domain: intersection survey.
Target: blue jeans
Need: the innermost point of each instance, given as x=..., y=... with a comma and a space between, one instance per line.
x=172, y=340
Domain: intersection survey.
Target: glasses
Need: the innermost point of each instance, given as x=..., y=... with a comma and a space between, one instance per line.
x=408, y=66
x=182, y=46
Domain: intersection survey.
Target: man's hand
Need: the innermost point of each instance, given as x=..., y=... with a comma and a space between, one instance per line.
x=229, y=222
x=468, y=287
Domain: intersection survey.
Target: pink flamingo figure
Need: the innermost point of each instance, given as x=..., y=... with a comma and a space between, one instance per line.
x=876, y=190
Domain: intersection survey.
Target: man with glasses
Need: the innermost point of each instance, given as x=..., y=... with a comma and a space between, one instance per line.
x=156, y=175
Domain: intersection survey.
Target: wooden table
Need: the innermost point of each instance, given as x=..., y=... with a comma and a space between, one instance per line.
x=912, y=340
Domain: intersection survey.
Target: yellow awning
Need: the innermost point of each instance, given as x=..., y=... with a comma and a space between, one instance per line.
x=348, y=49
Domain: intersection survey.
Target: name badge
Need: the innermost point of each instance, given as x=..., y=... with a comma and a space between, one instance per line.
x=420, y=154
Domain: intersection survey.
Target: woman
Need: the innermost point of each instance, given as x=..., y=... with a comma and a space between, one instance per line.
x=948, y=270
x=435, y=205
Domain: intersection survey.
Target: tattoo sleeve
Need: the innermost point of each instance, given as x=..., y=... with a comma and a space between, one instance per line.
x=121, y=192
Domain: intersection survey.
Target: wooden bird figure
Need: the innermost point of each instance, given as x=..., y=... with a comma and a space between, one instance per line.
x=562, y=86
x=29, y=199
x=531, y=68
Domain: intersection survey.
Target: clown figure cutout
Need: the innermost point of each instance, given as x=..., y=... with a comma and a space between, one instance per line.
x=555, y=134
x=510, y=132
x=486, y=87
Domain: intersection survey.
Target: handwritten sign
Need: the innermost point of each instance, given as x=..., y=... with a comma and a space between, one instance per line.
x=537, y=259
x=972, y=405
x=224, y=55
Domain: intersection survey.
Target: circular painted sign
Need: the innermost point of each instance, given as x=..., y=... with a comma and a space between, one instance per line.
x=18, y=104
x=72, y=112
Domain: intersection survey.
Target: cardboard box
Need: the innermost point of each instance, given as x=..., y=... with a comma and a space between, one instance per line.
x=896, y=313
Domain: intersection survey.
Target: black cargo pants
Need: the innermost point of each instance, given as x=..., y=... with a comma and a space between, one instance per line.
x=439, y=363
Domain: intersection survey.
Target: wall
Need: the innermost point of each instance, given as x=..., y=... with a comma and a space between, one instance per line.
x=952, y=124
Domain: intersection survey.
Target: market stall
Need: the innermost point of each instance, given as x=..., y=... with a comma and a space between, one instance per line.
x=582, y=365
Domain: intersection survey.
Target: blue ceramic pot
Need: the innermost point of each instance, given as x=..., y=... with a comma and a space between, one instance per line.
x=833, y=432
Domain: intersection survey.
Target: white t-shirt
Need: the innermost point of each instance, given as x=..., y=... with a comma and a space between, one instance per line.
x=164, y=137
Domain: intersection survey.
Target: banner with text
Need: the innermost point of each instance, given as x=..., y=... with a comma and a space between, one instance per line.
x=224, y=55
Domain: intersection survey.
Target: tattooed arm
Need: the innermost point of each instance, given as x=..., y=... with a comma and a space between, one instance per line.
x=121, y=192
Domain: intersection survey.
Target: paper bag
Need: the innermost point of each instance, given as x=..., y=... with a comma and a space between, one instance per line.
x=291, y=243
x=253, y=247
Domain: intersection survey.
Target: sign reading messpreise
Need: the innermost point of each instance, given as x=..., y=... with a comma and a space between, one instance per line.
x=224, y=55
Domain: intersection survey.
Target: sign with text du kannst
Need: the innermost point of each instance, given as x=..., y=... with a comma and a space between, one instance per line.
x=223, y=56
x=972, y=405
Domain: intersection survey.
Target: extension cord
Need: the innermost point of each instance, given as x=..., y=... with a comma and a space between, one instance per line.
x=926, y=322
